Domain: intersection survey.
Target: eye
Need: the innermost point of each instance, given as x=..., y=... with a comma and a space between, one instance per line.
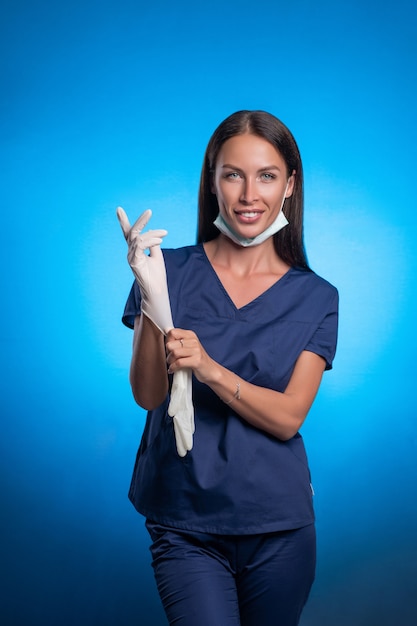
x=267, y=176
x=232, y=175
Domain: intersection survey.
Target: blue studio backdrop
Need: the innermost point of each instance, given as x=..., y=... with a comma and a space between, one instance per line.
x=107, y=103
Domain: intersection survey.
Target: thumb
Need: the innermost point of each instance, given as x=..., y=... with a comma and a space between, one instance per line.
x=155, y=252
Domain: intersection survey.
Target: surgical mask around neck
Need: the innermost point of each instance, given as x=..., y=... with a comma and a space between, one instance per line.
x=279, y=223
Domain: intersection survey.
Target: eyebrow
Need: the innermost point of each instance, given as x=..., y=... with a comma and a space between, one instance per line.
x=262, y=169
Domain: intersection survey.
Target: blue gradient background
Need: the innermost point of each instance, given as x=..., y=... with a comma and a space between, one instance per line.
x=107, y=103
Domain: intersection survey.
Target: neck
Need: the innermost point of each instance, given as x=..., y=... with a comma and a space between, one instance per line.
x=243, y=261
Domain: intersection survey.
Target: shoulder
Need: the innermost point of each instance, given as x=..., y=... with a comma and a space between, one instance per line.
x=179, y=254
x=315, y=295
x=178, y=257
x=309, y=279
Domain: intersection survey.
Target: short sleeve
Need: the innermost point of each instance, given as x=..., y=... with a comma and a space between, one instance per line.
x=324, y=340
x=132, y=307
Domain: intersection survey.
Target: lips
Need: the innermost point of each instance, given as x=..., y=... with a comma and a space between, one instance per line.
x=248, y=216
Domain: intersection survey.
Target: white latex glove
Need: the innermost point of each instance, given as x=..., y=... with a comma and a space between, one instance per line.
x=182, y=411
x=149, y=270
x=150, y=274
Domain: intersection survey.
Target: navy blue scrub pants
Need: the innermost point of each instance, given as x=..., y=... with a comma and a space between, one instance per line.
x=224, y=580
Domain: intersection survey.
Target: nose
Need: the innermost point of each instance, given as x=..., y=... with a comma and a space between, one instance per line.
x=249, y=193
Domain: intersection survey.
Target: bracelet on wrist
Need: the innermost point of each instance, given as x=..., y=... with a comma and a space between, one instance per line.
x=236, y=395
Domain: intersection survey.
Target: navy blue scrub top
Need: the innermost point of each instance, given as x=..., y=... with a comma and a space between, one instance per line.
x=237, y=479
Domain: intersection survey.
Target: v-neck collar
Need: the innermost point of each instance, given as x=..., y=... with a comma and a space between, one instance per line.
x=253, y=302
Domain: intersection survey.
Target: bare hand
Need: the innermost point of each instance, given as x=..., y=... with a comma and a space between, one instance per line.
x=184, y=350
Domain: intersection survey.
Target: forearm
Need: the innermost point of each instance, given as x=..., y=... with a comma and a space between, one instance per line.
x=263, y=408
x=148, y=369
x=279, y=414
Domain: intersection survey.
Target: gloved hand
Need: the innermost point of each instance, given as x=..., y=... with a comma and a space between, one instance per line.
x=182, y=411
x=150, y=274
x=149, y=270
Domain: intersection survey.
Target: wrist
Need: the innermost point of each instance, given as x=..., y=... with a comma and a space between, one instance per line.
x=149, y=325
x=227, y=385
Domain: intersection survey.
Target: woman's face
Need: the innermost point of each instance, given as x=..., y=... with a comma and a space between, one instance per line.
x=250, y=180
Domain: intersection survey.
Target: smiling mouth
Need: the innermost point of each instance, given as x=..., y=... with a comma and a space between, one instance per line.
x=248, y=214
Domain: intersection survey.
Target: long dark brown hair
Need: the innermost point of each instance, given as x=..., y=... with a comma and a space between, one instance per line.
x=288, y=242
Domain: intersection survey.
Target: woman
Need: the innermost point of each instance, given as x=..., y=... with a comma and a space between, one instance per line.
x=232, y=520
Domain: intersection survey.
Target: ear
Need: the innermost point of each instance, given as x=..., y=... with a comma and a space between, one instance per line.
x=291, y=184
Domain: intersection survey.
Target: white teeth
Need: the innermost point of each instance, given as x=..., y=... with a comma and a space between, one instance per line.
x=251, y=214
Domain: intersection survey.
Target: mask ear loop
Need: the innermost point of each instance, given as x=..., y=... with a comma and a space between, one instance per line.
x=285, y=196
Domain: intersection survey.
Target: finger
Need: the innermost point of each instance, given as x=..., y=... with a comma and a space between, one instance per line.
x=160, y=234
x=123, y=220
x=149, y=242
x=178, y=333
x=155, y=249
x=141, y=222
x=179, y=441
x=176, y=362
